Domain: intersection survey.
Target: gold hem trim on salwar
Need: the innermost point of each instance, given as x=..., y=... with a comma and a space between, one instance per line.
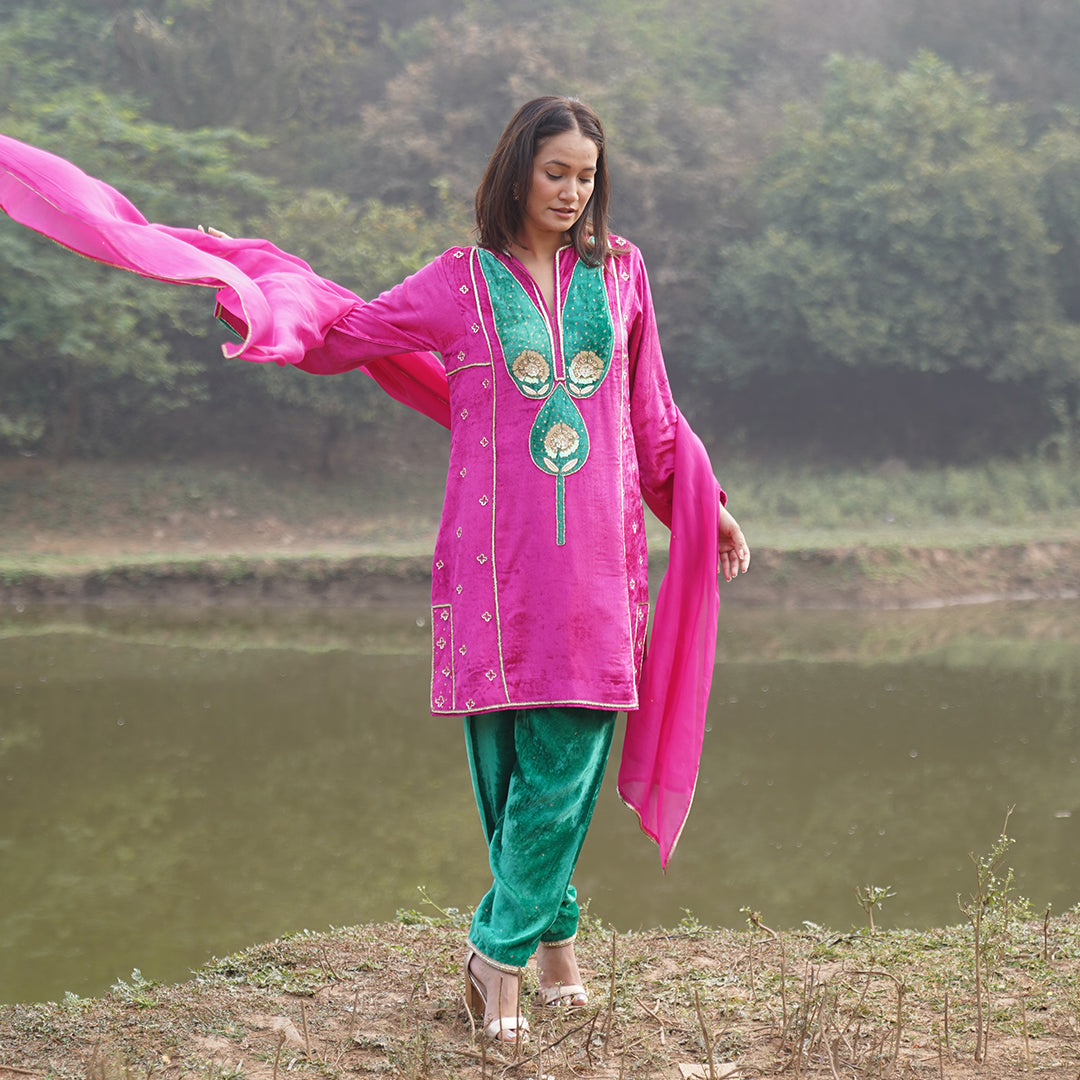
x=510, y=969
x=559, y=944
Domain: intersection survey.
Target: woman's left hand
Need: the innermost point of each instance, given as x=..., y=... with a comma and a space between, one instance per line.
x=734, y=550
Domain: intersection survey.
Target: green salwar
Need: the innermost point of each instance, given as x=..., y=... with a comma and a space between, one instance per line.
x=536, y=774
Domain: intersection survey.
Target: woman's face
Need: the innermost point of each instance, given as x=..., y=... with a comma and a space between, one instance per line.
x=564, y=170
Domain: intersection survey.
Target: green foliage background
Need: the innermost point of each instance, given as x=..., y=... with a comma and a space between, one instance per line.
x=862, y=221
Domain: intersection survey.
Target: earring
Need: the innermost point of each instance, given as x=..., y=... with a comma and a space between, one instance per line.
x=515, y=193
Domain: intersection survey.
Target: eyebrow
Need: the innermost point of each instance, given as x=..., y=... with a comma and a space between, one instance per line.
x=563, y=165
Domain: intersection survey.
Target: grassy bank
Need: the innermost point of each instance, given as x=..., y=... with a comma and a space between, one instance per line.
x=392, y=505
x=686, y=1002
x=216, y=532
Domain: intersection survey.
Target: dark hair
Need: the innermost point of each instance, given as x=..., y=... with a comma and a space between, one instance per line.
x=499, y=215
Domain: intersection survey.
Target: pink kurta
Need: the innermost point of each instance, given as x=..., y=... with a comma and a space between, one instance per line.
x=539, y=596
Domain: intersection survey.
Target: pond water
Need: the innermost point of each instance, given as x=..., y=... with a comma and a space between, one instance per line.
x=179, y=784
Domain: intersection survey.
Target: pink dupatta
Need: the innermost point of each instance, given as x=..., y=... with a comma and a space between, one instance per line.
x=283, y=309
x=662, y=750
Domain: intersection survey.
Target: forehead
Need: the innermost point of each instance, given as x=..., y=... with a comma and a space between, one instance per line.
x=569, y=148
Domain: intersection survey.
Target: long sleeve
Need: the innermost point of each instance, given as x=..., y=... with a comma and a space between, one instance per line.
x=419, y=315
x=654, y=416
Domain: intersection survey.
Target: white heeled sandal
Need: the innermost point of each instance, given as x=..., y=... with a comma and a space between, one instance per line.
x=567, y=995
x=572, y=995
x=504, y=1029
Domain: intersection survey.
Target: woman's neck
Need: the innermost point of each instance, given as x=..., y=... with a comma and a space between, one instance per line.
x=539, y=261
x=540, y=249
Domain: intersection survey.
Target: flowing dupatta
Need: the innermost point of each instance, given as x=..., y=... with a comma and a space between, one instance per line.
x=282, y=309
x=662, y=749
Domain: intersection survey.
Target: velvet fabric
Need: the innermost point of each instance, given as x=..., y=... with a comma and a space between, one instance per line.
x=520, y=618
x=536, y=775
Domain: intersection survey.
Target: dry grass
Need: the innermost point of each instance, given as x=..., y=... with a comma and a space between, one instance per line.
x=386, y=1000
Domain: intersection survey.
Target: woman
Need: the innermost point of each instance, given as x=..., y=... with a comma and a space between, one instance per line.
x=561, y=417
x=560, y=412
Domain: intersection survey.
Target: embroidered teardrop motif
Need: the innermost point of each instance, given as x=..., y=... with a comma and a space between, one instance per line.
x=558, y=440
x=559, y=444
x=588, y=334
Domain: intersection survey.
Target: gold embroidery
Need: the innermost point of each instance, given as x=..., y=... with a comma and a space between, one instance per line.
x=533, y=373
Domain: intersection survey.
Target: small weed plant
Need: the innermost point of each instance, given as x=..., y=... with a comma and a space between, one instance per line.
x=991, y=910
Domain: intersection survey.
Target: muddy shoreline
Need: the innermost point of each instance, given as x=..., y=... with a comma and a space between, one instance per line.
x=835, y=577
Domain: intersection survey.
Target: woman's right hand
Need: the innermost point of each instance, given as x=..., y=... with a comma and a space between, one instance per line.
x=216, y=233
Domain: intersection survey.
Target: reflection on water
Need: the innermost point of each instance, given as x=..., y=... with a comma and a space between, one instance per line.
x=178, y=785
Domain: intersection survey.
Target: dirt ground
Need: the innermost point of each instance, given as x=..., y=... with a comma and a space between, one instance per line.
x=386, y=1000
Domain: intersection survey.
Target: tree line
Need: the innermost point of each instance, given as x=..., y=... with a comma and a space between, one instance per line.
x=862, y=222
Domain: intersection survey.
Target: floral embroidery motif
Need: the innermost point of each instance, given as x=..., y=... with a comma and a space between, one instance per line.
x=464, y=414
x=440, y=701
x=484, y=441
x=463, y=650
x=462, y=474
x=559, y=444
x=486, y=616
x=532, y=373
x=441, y=643
x=481, y=559
x=559, y=439
x=459, y=588
x=483, y=500
x=439, y=565
x=464, y=290
x=490, y=675
x=470, y=704
x=586, y=371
